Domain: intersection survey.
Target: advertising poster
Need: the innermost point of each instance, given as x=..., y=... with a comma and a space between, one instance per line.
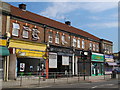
x=22, y=67
x=65, y=60
x=52, y=60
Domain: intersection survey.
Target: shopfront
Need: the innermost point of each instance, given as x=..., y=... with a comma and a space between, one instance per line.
x=26, y=57
x=4, y=52
x=109, y=64
x=83, y=63
x=97, y=64
x=60, y=60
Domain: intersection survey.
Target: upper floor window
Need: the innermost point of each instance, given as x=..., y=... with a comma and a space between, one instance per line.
x=50, y=37
x=26, y=30
x=83, y=44
x=97, y=47
x=74, y=42
x=90, y=46
x=78, y=43
x=93, y=47
x=63, y=40
x=57, y=38
x=15, y=30
x=35, y=34
x=110, y=49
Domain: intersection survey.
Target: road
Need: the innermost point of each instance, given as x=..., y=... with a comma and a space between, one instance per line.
x=105, y=84
x=86, y=85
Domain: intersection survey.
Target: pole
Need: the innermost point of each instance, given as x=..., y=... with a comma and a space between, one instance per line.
x=54, y=77
x=84, y=68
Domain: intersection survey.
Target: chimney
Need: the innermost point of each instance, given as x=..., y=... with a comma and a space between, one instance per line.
x=68, y=22
x=22, y=6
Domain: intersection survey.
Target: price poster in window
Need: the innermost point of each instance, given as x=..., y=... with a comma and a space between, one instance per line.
x=22, y=67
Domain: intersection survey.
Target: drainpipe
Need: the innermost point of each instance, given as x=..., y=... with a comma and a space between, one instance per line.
x=8, y=37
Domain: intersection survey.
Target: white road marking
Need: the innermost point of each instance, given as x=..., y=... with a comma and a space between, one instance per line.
x=43, y=87
x=103, y=85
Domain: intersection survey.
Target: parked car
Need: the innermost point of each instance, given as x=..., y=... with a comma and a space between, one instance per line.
x=117, y=70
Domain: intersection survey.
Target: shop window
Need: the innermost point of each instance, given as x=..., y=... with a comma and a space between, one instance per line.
x=83, y=44
x=90, y=46
x=78, y=43
x=63, y=40
x=26, y=30
x=57, y=38
x=35, y=34
x=50, y=37
x=15, y=30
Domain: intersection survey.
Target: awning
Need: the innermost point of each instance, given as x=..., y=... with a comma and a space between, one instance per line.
x=27, y=45
x=4, y=51
x=28, y=49
x=112, y=63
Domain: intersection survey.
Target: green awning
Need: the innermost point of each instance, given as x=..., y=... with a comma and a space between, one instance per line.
x=4, y=51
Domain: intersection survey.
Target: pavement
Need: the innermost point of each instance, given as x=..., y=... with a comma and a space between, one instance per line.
x=31, y=82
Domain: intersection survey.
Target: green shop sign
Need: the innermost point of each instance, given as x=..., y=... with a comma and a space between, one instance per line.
x=97, y=57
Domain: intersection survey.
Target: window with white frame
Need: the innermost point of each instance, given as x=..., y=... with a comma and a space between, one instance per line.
x=63, y=40
x=26, y=30
x=74, y=42
x=97, y=47
x=83, y=44
x=35, y=34
x=105, y=48
x=15, y=30
x=90, y=46
x=93, y=47
x=78, y=43
x=50, y=37
x=57, y=38
x=110, y=49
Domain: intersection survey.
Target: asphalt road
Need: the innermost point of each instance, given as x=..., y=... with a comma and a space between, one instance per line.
x=110, y=85
x=105, y=84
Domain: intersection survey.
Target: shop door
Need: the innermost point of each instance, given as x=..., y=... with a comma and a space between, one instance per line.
x=1, y=68
x=94, y=69
x=97, y=69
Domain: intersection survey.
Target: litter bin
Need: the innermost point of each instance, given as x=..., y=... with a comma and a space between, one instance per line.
x=113, y=75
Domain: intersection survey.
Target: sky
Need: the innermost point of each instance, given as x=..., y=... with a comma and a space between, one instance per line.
x=97, y=18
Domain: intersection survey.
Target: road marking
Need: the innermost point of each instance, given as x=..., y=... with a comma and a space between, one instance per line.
x=103, y=85
x=94, y=86
x=43, y=87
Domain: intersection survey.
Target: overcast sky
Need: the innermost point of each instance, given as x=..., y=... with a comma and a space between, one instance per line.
x=97, y=18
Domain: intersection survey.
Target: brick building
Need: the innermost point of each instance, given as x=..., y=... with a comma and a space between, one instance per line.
x=39, y=43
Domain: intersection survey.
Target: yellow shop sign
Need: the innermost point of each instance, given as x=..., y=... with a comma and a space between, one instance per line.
x=27, y=45
x=28, y=49
x=29, y=53
x=3, y=42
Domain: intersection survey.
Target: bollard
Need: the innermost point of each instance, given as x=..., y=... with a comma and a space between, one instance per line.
x=54, y=77
x=21, y=81
x=39, y=80
x=104, y=76
x=67, y=77
x=78, y=77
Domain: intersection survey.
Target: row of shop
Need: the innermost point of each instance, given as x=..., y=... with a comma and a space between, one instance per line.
x=27, y=57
